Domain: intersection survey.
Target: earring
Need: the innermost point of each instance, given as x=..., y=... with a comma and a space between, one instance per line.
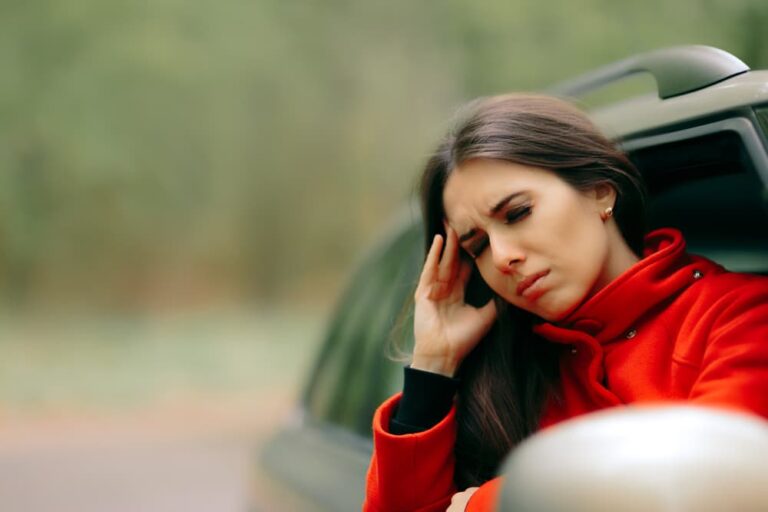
x=607, y=213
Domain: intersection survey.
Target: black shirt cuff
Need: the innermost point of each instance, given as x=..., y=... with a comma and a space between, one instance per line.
x=427, y=398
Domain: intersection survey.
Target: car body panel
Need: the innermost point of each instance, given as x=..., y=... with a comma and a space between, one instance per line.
x=649, y=112
x=323, y=463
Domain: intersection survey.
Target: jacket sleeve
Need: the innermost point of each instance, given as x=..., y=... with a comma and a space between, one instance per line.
x=410, y=472
x=734, y=368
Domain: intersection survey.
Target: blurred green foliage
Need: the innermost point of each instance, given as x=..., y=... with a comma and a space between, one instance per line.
x=76, y=363
x=157, y=154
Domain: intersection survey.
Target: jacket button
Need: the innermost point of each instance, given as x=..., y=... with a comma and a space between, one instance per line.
x=631, y=334
x=698, y=274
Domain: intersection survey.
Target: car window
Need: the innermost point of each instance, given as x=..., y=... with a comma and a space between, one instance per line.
x=762, y=117
x=353, y=374
x=710, y=189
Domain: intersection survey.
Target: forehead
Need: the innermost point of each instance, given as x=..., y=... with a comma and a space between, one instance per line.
x=476, y=186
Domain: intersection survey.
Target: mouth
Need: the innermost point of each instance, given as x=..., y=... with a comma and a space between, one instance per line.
x=529, y=281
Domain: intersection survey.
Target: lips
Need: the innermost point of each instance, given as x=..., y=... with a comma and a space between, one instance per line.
x=529, y=281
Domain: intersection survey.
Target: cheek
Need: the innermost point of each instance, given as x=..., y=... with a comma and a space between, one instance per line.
x=492, y=277
x=586, y=260
x=569, y=222
x=502, y=284
x=485, y=269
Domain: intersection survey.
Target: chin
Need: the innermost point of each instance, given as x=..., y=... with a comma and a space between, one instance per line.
x=555, y=317
x=554, y=310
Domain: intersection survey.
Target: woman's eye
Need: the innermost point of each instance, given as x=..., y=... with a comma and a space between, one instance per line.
x=477, y=247
x=517, y=214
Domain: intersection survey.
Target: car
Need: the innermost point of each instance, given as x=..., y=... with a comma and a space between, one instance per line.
x=701, y=141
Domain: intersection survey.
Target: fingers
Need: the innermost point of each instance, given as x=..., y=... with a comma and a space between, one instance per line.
x=460, y=500
x=438, y=277
x=465, y=270
x=449, y=264
x=429, y=272
x=445, y=283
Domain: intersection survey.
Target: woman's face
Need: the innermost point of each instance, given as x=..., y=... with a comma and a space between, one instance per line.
x=538, y=242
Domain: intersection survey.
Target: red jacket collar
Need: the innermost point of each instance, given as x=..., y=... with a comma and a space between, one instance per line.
x=665, y=270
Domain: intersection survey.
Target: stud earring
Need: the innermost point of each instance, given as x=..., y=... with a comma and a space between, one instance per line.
x=607, y=213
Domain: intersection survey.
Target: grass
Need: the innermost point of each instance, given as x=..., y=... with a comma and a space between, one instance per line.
x=54, y=362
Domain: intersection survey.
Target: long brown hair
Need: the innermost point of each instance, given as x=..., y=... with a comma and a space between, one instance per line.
x=506, y=379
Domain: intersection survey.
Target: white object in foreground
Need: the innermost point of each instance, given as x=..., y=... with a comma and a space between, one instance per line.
x=642, y=459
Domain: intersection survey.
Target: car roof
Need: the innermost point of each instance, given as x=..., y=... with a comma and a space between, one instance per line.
x=649, y=112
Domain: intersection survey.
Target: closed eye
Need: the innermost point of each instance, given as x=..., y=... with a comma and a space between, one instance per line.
x=476, y=247
x=518, y=214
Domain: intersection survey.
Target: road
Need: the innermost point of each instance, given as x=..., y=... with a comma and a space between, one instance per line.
x=147, y=413
x=191, y=457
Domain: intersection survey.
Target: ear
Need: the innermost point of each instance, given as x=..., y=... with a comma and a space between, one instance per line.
x=604, y=196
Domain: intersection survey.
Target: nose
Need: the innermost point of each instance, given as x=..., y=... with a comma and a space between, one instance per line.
x=506, y=253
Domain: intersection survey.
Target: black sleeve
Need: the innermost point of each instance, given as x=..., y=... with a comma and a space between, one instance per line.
x=427, y=398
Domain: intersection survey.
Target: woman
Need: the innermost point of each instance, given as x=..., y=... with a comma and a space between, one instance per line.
x=527, y=204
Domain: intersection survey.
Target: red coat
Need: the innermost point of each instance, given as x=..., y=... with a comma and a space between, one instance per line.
x=672, y=327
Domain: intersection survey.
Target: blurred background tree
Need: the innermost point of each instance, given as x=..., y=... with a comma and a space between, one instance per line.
x=169, y=156
x=162, y=153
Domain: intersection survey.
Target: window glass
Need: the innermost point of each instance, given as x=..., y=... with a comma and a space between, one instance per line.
x=709, y=188
x=762, y=118
x=353, y=374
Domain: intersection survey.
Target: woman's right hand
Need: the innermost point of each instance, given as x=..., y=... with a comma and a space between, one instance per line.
x=445, y=328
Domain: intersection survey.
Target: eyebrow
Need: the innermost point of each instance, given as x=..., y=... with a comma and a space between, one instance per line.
x=498, y=206
x=493, y=211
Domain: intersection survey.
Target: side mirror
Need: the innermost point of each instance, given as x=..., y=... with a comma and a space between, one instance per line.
x=642, y=459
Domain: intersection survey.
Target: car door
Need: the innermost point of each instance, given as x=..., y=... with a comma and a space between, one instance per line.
x=324, y=453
